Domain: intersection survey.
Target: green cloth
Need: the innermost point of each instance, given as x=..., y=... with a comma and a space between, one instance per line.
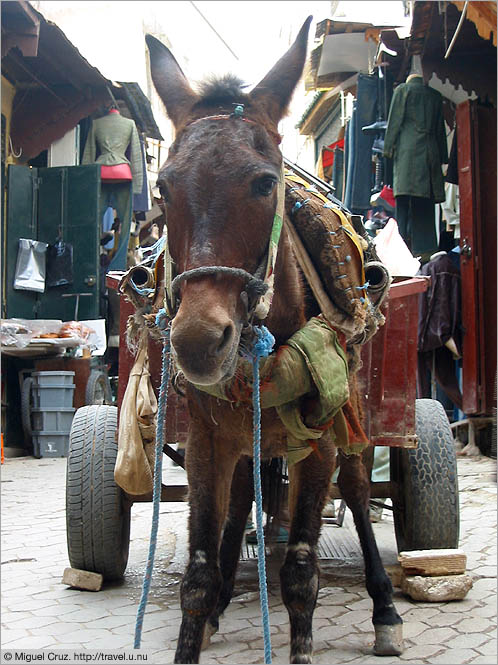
x=107, y=142
x=416, y=140
x=312, y=362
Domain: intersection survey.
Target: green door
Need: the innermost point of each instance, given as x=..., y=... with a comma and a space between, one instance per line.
x=21, y=220
x=46, y=204
x=68, y=207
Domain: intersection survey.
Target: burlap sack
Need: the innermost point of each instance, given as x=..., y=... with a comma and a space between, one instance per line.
x=137, y=431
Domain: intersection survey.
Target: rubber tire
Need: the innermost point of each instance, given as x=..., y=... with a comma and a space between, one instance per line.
x=426, y=507
x=26, y=406
x=98, y=380
x=97, y=518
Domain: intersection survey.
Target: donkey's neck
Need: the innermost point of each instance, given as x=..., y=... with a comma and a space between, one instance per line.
x=287, y=313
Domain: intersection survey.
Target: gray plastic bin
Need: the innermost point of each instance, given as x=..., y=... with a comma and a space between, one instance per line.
x=57, y=419
x=58, y=396
x=50, y=444
x=53, y=378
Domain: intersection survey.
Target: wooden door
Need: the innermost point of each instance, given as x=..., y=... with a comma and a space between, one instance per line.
x=476, y=127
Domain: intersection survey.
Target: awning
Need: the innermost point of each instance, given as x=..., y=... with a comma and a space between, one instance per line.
x=56, y=86
x=472, y=61
x=345, y=53
x=345, y=47
x=54, y=90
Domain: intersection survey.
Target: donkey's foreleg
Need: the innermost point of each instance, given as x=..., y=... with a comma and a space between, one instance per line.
x=241, y=498
x=299, y=576
x=209, y=470
x=355, y=489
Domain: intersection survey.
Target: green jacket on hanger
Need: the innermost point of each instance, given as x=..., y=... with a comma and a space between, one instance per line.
x=107, y=142
x=416, y=140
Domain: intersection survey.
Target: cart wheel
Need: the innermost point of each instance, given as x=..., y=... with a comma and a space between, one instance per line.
x=425, y=506
x=97, y=520
x=98, y=388
x=27, y=406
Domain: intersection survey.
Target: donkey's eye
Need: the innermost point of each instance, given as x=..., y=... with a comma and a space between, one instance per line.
x=163, y=190
x=264, y=186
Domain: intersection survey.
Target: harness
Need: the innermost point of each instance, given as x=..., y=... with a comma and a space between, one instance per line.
x=258, y=291
x=257, y=294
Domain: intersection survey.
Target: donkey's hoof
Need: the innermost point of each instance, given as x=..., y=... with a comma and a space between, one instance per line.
x=209, y=630
x=388, y=640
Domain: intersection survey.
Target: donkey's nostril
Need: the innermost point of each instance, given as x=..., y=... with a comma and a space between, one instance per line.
x=226, y=338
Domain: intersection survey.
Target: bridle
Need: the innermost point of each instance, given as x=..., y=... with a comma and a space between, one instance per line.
x=258, y=290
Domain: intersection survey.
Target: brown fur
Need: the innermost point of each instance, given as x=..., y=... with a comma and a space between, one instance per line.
x=218, y=215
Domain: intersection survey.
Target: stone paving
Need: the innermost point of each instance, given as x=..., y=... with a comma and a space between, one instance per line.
x=40, y=612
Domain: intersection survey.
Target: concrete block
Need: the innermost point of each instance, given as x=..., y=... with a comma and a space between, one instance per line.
x=436, y=589
x=82, y=579
x=433, y=562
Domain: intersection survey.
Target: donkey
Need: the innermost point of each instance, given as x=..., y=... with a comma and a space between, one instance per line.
x=219, y=186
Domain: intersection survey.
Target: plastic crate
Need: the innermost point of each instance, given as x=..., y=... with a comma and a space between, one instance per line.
x=58, y=396
x=53, y=419
x=50, y=444
x=55, y=379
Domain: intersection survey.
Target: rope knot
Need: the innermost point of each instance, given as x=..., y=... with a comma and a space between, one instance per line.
x=263, y=342
x=162, y=322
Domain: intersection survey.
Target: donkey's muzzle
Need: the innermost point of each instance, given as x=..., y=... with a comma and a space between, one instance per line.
x=204, y=350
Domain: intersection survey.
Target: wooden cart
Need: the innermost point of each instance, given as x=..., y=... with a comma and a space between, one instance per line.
x=423, y=475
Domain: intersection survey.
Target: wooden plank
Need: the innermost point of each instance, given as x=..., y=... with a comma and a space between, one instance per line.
x=431, y=563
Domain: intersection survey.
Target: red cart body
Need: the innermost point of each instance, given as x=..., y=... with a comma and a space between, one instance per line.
x=387, y=379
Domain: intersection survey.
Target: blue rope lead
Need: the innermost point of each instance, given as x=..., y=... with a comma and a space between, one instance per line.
x=261, y=348
x=156, y=494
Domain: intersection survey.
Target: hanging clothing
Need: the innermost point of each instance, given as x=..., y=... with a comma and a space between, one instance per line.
x=440, y=306
x=359, y=174
x=440, y=320
x=450, y=208
x=417, y=224
x=141, y=200
x=338, y=172
x=107, y=142
x=118, y=195
x=416, y=140
x=452, y=171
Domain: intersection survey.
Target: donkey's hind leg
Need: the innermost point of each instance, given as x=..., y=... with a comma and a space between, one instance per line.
x=210, y=468
x=241, y=498
x=299, y=575
x=355, y=489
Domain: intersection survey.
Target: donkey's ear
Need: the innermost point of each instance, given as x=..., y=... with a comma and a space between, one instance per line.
x=274, y=92
x=169, y=81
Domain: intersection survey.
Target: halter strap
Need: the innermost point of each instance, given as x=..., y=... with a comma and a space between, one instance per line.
x=259, y=291
x=263, y=307
x=238, y=117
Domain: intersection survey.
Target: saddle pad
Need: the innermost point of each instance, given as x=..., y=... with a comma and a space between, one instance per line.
x=334, y=247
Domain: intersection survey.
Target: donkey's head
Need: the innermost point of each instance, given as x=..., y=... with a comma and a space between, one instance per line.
x=219, y=186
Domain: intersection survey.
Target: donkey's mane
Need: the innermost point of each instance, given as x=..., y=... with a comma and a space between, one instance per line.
x=221, y=89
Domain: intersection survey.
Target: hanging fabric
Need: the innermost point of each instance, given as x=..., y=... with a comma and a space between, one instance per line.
x=31, y=265
x=59, y=264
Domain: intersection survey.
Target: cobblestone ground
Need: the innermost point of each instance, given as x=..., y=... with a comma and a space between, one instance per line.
x=40, y=612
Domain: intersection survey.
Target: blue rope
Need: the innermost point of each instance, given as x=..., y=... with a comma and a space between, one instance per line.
x=161, y=322
x=262, y=347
